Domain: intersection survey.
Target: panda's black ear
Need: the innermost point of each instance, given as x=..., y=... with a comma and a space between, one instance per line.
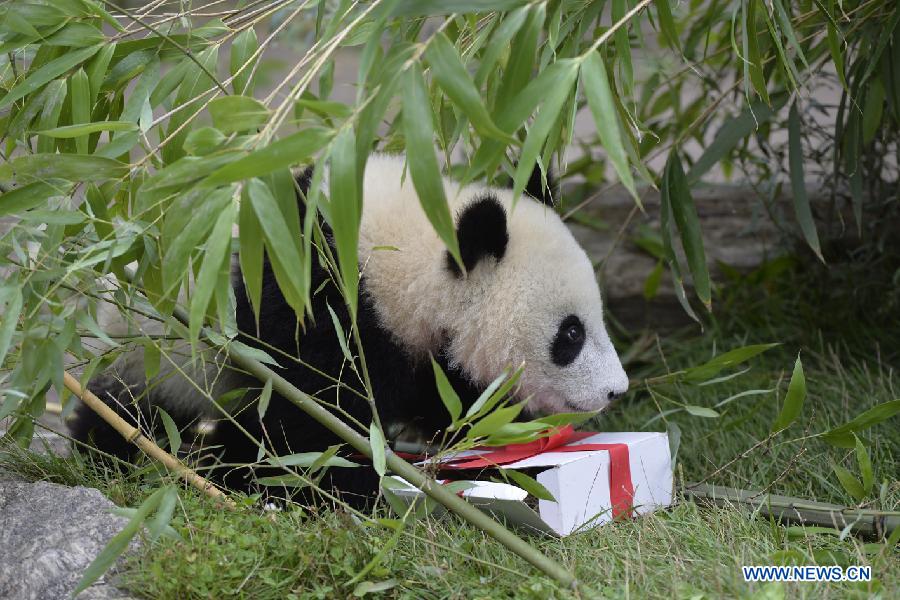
x=536, y=188
x=481, y=232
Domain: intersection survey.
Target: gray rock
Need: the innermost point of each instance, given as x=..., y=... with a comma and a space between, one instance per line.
x=49, y=534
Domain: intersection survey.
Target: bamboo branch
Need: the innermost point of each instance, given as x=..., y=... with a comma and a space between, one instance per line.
x=134, y=435
x=322, y=415
x=797, y=510
x=397, y=465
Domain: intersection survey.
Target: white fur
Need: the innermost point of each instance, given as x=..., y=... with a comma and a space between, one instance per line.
x=503, y=313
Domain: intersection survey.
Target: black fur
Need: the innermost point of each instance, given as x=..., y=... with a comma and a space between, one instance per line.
x=403, y=388
x=86, y=426
x=536, y=189
x=564, y=349
x=481, y=232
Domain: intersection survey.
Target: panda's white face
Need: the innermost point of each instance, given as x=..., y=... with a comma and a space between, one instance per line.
x=529, y=295
x=537, y=305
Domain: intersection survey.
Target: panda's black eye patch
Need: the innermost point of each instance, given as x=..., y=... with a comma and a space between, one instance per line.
x=568, y=342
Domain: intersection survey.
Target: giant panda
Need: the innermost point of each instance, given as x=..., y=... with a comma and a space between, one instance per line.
x=528, y=296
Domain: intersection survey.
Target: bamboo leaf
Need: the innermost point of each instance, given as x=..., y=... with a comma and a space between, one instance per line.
x=834, y=39
x=669, y=249
x=159, y=524
x=793, y=400
x=171, y=431
x=339, y=331
x=11, y=302
x=490, y=152
x=56, y=96
x=48, y=72
x=419, y=8
x=493, y=421
x=850, y=483
x=96, y=69
x=242, y=49
x=262, y=405
x=288, y=481
x=753, y=63
x=423, y=165
x=667, y=23
x=292, y=150
x=798, y=184
x=29, y=196
x=520, y=65
x=701, y=411
x=251, y=252
x=345, y=205
x=651, y=284
x=322, y=108
x=215, y=261
x=674, y=435
x=232, y=114
x=499, y=42
x=194, y=83
x=71, y=167
x=187, y=226
x=448, y=395
x=865, y=466
x=203, y=141
x=312, y=460
x=873, y=109
x=139, y=99
x=80, y=96
x=152, y=353
x=623, y=47
x=678, y=197
x=131, y=66
x=784, y=20
x=843, y=436
x=364, y=588
x=600, y=100
x=540, y=128
x=376, y=440
x=529, y=484
x=73, y=131
x=252, y=353
x=734, y=357
x=283, y=251
x=451, y=75
x=485, y=395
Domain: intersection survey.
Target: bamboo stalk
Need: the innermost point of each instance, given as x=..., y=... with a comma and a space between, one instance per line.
x=134, y=435
x=440, y=494
x=797, y=510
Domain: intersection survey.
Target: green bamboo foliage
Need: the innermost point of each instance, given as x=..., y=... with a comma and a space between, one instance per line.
x=143, y=141
x=176, y=146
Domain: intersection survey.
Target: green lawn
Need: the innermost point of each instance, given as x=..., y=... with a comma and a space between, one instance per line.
x=685, y=552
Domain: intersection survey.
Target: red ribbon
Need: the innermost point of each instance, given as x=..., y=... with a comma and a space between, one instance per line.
x=621, y=489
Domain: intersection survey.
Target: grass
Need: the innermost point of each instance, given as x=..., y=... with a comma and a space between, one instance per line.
x=686, y=552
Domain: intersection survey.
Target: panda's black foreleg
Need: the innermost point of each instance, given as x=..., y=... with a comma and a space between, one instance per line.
x=88, y=427
x=285, y=430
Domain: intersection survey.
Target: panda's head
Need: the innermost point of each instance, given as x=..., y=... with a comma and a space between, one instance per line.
x=529, y=297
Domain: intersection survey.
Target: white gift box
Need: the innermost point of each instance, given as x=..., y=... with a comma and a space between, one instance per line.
x=578, y=480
